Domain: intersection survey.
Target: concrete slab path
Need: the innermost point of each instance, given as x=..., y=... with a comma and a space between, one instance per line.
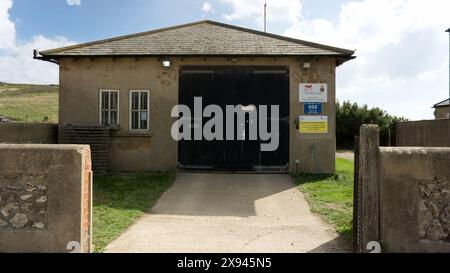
x=244, y=213
x=349, y=155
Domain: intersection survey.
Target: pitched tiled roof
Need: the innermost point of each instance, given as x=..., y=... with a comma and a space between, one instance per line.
x=442, y=103
x=204, y=38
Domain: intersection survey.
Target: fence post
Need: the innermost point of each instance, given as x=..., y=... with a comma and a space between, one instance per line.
x=369, y=206
x=356, y=201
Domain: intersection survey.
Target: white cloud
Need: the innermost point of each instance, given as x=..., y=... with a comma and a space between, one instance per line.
x=16, y=57
x=74, y=2
x=207, y=7
x=402, y=61
x=7, y=29
x=18, y=65
x=278, y=10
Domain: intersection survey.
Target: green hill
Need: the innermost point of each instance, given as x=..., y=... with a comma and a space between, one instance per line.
x=29, y=103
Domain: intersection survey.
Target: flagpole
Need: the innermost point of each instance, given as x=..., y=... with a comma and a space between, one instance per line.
x=265, y=16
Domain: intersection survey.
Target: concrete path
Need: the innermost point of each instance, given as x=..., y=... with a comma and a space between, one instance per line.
x=349, y=155
x=230, y=213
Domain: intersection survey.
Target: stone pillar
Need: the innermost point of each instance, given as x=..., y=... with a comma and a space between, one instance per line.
x=368, y=180
x=45, y=198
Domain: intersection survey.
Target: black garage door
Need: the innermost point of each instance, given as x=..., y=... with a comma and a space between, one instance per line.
x=231, y=86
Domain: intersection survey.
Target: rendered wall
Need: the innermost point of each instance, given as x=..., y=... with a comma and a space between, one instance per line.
x=45, y=198
x=442, y=112
x=426, y=133
x=82, y=78
x=38, y=133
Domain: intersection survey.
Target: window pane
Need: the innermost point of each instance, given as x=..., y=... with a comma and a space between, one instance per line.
x=135, y=120
x=105, y=118
x=105, y=100
x=113, y=118
x=144, y=125
x=144, y=119
x=135, y=101
x=144, y=101
x=114, y=97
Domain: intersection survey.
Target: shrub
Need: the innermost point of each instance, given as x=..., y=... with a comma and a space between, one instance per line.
x=350, y=117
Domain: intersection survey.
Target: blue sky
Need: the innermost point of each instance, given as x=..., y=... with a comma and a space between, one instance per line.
x=97, y=19
x=402, y=49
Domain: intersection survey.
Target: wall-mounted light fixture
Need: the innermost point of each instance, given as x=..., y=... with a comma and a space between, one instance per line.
x=166, y=63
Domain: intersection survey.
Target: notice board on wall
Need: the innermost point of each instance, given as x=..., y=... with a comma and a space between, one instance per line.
x=314, y=92
x=313, y=124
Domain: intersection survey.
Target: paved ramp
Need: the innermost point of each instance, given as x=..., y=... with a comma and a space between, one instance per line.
x=229, y=213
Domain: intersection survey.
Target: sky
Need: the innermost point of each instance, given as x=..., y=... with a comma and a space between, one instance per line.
x=401, y=45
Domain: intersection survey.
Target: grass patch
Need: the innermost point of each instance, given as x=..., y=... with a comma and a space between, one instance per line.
x=121, y=198
x=332, y=196
x=29, y=103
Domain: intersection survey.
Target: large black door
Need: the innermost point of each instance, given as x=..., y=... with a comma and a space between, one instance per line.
x=230, y=86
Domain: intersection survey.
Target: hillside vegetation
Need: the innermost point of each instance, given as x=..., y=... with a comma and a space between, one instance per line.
x=29, y=103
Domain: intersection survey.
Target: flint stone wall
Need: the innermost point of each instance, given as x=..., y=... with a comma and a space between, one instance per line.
x=415, y=199
x=23, y=201
x=45, y=198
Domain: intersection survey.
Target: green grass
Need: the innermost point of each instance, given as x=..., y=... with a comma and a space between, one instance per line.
x=332, y=196
x=29, y=103
x=121, y=198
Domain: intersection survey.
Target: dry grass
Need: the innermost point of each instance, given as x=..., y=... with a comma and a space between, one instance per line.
x=29, y=103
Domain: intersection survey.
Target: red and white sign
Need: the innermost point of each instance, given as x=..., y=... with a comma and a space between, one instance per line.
x=314, y=92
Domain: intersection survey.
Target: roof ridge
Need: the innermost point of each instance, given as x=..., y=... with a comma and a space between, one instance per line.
x=257, y=32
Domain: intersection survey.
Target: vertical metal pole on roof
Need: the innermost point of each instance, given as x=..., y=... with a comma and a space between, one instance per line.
x=448, y=30
x=265, y=16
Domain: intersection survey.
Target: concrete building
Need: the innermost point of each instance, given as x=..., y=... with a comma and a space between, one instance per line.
x=442, y=109
x=131, y=84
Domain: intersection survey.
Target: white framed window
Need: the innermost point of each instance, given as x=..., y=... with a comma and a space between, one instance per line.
x=109, y=107
x=140, y=110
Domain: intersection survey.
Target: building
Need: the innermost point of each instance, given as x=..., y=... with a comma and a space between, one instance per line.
x=442, y=109
x=132, y=83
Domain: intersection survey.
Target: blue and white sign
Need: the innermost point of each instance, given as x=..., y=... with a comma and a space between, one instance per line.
x=313, y=108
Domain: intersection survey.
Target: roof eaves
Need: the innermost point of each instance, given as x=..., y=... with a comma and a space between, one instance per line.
x=343, y=58
x=443, y=105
